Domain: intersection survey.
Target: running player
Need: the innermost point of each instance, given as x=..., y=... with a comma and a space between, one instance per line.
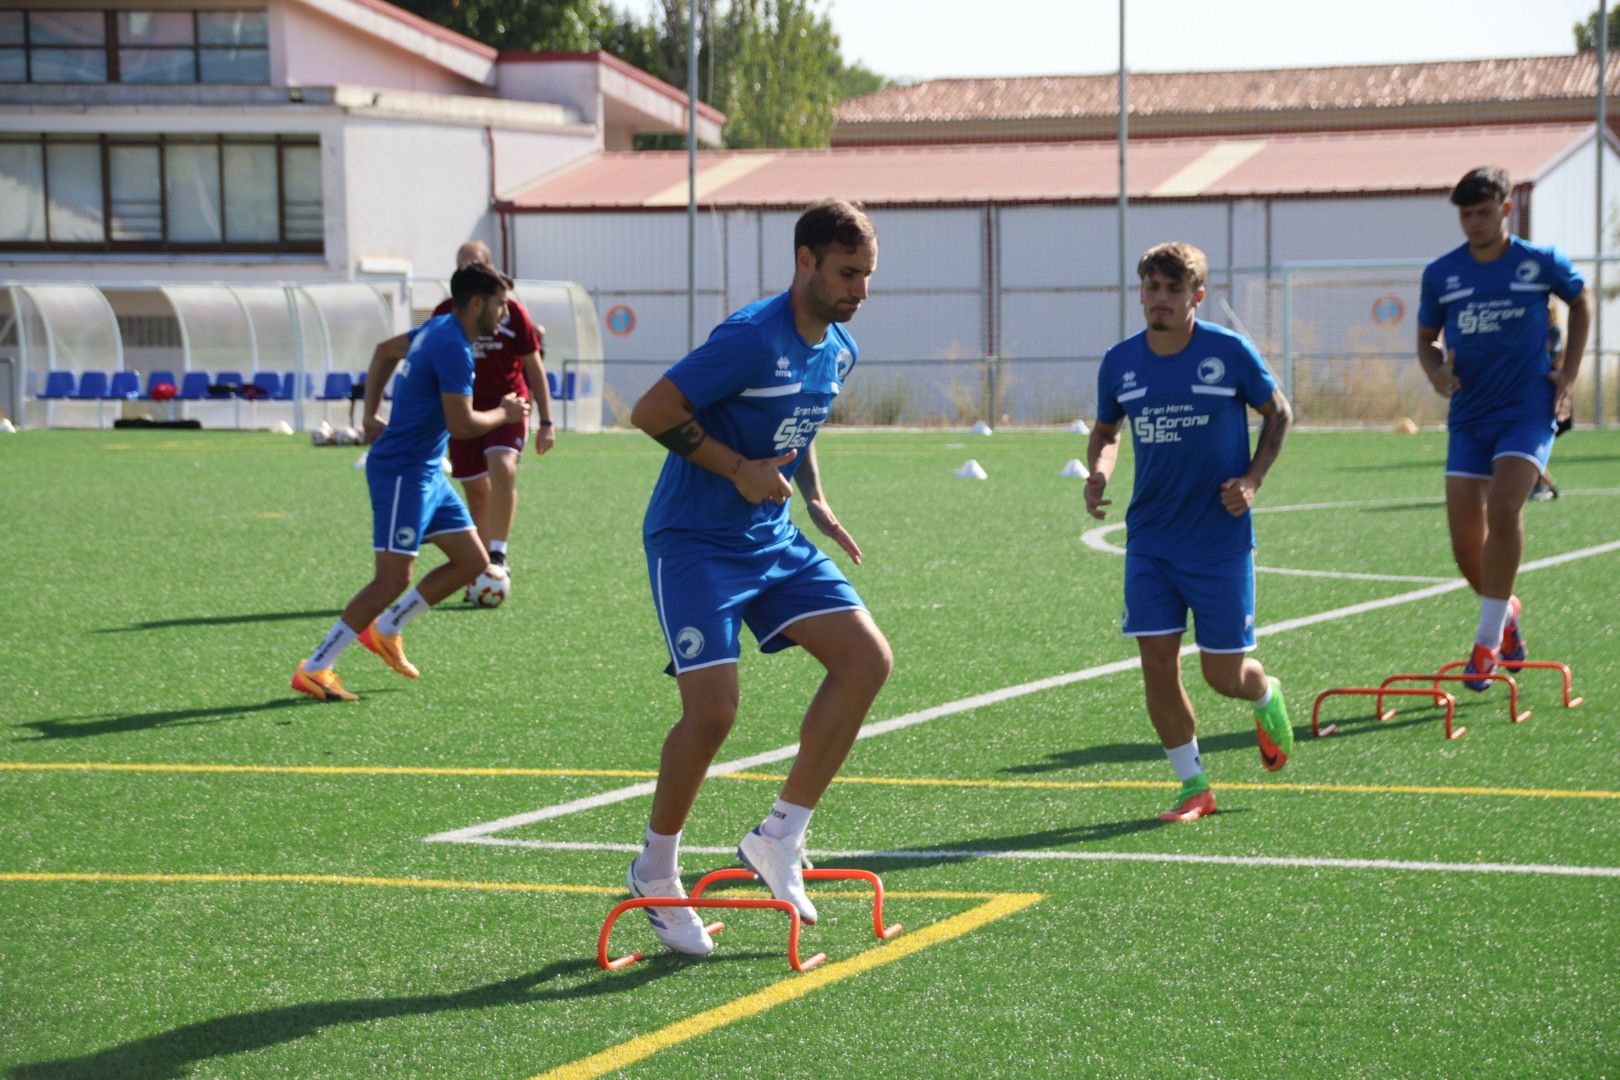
x=738, y=416
x=411, y=501
x=1186, y=386
x=1489, y=296
x=512, y=360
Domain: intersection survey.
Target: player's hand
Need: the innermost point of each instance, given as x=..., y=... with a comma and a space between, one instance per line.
x=1096, y=484
x=1237, y=495
x=373, y=428
x=515, y=408
x=760, y=479
x=1563, y=403
x=822, y=515
x=545, y=437
x=1444, y=378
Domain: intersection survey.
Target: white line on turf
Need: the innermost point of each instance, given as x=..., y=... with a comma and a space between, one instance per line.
x=1313, y=862
x=476, y=833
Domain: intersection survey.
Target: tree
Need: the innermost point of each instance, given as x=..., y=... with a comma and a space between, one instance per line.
x=1586, y=33
x=772, y=66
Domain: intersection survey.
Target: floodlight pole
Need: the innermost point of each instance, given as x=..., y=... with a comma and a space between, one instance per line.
x=1124, y=198
x=1597, y=266
x=691, y=173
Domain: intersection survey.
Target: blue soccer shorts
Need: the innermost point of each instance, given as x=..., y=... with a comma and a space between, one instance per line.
x=1471, y=450
x=704, y=598
x=408, y=508
x=1219, y=592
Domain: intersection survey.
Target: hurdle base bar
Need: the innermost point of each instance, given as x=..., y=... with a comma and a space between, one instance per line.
x=792, y=912
x=1520, y=665
x=1496, y=676
x=881, y=932
x=1434, y=694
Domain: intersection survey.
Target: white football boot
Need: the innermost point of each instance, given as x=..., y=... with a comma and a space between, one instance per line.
x=678, y=927
x=780, y=867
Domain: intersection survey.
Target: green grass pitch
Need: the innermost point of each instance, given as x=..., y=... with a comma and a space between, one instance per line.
x=204, y=875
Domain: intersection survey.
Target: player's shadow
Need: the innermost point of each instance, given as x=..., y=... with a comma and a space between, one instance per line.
x=172, y=1054
x=220, y=620
x=93, y=724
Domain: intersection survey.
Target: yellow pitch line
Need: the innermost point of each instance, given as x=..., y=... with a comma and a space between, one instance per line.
x=644, y=1046
x=314, y=879
x=897, y=781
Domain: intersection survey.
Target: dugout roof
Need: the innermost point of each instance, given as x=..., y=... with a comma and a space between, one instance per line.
x=1362, y=162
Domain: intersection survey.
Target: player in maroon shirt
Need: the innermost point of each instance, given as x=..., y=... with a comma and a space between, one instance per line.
x=511, y=360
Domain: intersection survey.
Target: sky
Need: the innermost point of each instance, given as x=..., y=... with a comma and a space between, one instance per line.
x=928, y=39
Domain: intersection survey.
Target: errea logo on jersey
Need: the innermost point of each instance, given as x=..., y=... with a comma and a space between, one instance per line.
x=1211, y=370
x=1528, y=270
x=1129, y=378
x=1453, y=282
x=784, y=368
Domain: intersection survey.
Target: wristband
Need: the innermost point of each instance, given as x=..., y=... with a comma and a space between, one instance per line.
x=545, y=423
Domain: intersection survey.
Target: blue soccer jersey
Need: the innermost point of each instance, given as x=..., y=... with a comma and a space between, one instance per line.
x=757, y=387
x=1494, y=316
x=440, y=361
x=1190, y=428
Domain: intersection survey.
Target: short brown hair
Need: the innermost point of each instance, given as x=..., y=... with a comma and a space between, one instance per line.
x=477, y=279
x=1178, y=261
x=833, y=221
x=1488, y=183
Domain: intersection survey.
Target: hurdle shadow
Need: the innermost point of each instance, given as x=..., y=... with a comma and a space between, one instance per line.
x=220, y=620
x=93, y=724
x=170, y=1055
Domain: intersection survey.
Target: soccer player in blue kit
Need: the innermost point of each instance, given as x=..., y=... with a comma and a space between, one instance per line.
x=411, y=500
x=1489, y=297
x=738, y=416
x=1185, y=385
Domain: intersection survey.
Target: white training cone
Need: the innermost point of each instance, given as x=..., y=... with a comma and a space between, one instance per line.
x=981, y=428
x=972, y=470
x=1074, y=468
x=281, y=427
x=7, y=426
x=360, y=462
x=1079, y=428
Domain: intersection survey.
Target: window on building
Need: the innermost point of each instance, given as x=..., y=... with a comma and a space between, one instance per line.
x=135, y=46
x=169, y=193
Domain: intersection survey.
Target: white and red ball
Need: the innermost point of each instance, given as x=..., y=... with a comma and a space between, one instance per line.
x=491, y=588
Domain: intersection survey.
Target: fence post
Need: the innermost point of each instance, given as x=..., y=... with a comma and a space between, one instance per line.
x=1288, y=335
x=990, y=381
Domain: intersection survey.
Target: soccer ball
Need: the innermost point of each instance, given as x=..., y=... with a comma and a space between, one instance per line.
x=491, y=588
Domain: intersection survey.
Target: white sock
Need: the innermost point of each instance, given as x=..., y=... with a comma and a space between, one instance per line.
x=396, y=618
x=1492, y=621
x=1264, y=699
x=1185, y=760
x=786, y=821
x=657, y=858
x=337, y=639
x=497, y=545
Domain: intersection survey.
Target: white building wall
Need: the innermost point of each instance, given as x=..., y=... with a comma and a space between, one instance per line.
x=317, y=50
x=1369, y=227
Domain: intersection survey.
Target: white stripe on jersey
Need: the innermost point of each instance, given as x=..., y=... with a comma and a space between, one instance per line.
x=1456, y=294
x=1530, y=286
x=772, y=391
x=1218, y=391
x=1131, y=395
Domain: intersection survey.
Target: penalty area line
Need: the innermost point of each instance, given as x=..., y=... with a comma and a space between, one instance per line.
x=473, y=833
x=1295, y=862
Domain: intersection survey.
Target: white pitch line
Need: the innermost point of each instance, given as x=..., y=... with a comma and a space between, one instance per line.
x=1290, y=861
x=476, y=833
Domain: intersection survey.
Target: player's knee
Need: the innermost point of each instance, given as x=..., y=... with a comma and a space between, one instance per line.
x=710, y=722
x=393, y=580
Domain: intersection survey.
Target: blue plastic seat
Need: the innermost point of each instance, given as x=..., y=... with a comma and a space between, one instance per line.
x=338, y=385
x=125, y=386
x=193, y=386
x=158, y=377
x=92, y=387
x=561, y=389
x=228, y=378
x=271, y=383
x=58, y=386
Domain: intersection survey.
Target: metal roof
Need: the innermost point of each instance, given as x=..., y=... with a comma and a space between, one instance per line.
x=1361, y=162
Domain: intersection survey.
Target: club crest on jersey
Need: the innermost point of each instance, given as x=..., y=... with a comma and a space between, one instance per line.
x=1528, y=270
x=1211, y=370
x=784, y=368
x=845, y=360
x=689, y=642
x=404, y=536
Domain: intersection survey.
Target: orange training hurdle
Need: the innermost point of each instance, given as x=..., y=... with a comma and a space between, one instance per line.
x=1437, y=696
x=1496, y=676
x=698, y=900
x=1519, y=665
